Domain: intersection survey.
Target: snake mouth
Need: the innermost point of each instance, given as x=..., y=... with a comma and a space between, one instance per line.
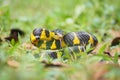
x=37, y=38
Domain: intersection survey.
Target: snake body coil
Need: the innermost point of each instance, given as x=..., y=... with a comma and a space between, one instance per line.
x=55, y=40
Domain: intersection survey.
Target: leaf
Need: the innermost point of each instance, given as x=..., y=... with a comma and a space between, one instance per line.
x=14, y=35
x=13, y=63
x=115, y=41
x=102, y=49
x=116, y=58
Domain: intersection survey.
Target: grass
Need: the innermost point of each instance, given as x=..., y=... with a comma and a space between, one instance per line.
x=99, y=17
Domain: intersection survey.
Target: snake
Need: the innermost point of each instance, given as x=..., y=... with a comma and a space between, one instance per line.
x=57, y=40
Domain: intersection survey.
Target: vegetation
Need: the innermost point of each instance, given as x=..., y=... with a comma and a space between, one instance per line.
x=99, y=17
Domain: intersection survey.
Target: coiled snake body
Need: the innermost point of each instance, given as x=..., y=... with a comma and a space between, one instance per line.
x=56, y=40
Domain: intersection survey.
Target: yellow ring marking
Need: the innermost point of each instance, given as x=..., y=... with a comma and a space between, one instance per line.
x=76, y=40
x=91, y=41
x=53, y=46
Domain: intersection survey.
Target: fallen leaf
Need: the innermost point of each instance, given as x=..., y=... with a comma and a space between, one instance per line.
x=13, y=63
x=100, y=71
x=28, y=46
x=108, y=53
x=115, y=33
x=14, y=34
x=115, y=41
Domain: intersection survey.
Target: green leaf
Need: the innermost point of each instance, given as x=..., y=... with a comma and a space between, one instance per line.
x=102, y=49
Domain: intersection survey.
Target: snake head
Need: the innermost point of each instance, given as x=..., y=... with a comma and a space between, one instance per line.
x=35, y=36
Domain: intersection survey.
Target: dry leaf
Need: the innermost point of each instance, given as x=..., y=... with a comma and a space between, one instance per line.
x=14, y=34
x=115, y=41
x=13, y=63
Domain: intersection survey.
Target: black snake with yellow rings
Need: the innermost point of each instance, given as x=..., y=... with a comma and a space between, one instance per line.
x=55, y=40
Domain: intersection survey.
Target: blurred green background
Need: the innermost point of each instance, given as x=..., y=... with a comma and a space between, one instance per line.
x=69, y=15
